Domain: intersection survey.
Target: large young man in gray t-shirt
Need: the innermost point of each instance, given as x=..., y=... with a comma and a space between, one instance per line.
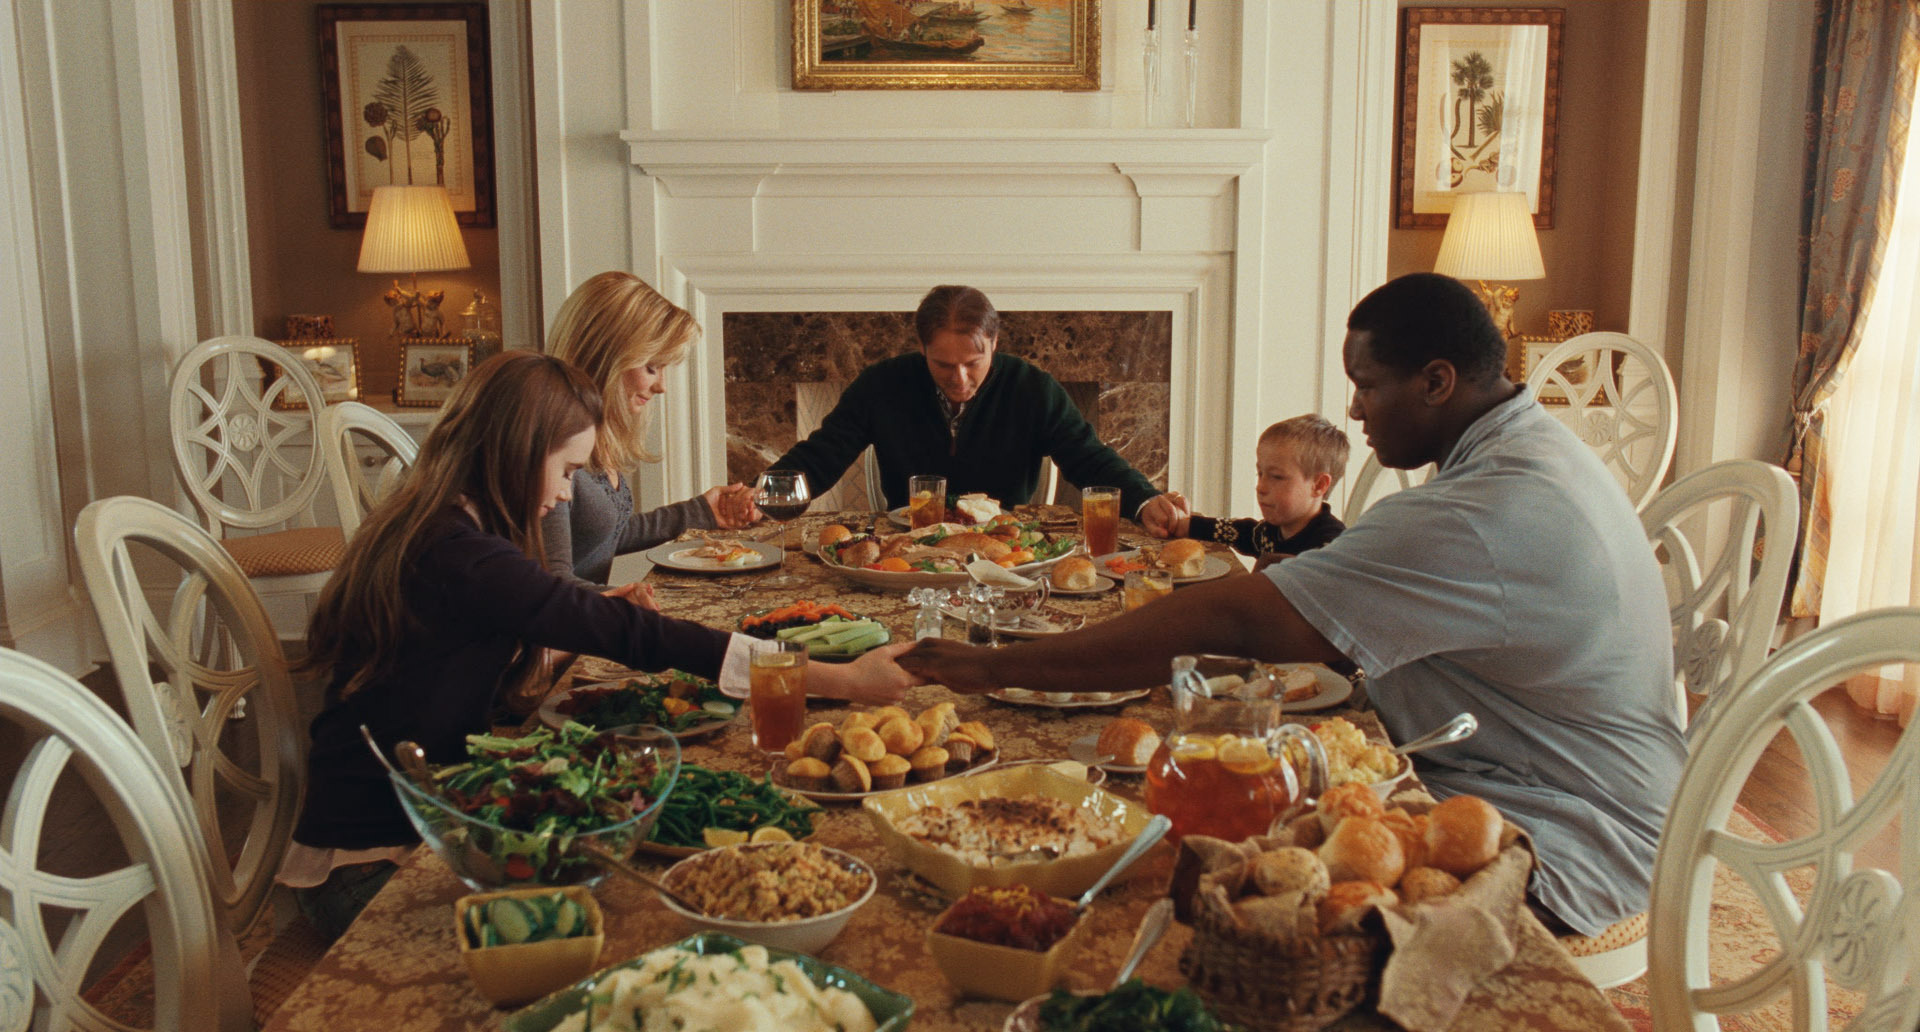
x=1517, y=585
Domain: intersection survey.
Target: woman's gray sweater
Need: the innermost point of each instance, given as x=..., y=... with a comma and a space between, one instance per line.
x=583, y=536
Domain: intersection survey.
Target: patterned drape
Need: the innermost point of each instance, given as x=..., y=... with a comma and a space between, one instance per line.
x=1865, y=56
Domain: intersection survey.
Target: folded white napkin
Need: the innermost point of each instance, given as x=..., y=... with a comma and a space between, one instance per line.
x=992, y=574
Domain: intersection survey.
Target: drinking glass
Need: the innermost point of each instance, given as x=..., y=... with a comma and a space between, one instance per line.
x=1143, y=586
x=777, y=692
x=782, y=494
x=926, y=501
x=1100, y=519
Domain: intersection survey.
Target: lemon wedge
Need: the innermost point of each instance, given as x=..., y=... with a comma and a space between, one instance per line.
x=717, y=837
x=1246, y=757
x=771, y=834
x=1193, y=750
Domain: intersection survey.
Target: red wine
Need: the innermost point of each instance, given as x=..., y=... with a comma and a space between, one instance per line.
x=783, y=511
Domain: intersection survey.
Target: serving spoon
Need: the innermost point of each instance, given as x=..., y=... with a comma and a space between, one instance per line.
x=1155, y=830
x=599, y=855
x=1460, y=728
x=1153, y=925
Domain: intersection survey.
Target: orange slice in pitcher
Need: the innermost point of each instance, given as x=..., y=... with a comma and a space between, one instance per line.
x=1247, y=757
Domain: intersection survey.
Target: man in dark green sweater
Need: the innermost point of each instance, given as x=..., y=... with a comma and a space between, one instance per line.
x=982, y=420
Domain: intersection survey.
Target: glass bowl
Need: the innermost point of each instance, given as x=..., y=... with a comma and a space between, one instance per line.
x=486, y=855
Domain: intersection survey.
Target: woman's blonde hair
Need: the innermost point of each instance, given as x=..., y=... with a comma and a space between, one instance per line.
x=612, y=323
x=489, y=450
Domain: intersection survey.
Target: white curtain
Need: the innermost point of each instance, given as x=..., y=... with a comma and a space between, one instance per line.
x=1874, y=451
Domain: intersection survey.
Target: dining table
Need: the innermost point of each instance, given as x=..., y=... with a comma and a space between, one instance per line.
x=397, y=967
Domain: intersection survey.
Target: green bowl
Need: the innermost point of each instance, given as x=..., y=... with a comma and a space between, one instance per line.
x=891, y=1010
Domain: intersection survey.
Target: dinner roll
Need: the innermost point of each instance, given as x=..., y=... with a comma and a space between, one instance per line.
x=1349, y=800
x=901, y=735
x=1347, y=902
x=833, y=534
x=1412, y=831
x=864, y=743
x=1129, y=741
x=1075, y=573
x=1426, y=883
x=1363, y=849
x=1463, y=835
x=1184, y=557
x=1290, y=869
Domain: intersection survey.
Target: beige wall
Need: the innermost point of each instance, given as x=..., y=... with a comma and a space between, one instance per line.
x=299, y=262
x=1589, y=251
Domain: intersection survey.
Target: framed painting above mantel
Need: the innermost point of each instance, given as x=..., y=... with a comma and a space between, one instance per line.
x=409, y=101
x=1479, y=108
x=950, y=45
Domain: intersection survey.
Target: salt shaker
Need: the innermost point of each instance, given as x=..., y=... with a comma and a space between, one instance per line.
x=981, y=614
x=929, y=622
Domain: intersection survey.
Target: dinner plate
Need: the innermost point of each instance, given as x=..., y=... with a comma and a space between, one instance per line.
x=899, y=516
x=1101, y=585
x=678, y=556
x=1334, y=689
x=1026, y=697
x=551, y=716
x=854, y=797
x=1215, y=566
x=1085, y=749
x=1022, y=624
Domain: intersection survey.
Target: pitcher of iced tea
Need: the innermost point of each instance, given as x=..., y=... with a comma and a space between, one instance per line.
x=1228, y=769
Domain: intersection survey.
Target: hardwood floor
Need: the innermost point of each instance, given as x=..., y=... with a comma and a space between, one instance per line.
x=1780, y=790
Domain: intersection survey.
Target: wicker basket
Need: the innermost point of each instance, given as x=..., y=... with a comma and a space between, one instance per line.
x=1268, y=983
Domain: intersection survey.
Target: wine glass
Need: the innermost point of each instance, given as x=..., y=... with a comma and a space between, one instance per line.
x=782, y=494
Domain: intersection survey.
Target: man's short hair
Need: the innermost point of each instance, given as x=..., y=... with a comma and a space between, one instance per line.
x=952, y=307
x=1417, y=318
x=1318, y=446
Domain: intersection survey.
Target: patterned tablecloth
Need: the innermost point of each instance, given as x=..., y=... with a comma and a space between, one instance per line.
x=397, y=967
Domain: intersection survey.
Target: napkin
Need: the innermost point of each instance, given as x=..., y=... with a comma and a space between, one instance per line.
x=993, y=575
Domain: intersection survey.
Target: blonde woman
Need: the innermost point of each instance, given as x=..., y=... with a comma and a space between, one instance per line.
x=624, y=335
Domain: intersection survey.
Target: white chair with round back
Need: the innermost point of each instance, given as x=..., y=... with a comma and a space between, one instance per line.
x=183, y=703
x=245, y=445
x=1619, y=399
x=358, y=486
x=197, y=979
x=1857, y=927
x=1375, y=481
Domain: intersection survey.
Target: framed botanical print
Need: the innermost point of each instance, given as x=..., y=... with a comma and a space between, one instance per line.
x=951, y=45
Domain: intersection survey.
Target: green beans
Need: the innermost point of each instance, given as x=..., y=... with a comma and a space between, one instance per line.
x=729, y=800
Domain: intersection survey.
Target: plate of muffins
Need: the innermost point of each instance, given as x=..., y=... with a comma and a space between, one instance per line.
x=879, y=750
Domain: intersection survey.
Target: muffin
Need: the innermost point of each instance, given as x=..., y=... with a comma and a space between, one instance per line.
x=851, y=775
x=982, y=738
x=901, y=736
x=859, y=719
x=960, y=752
x=929, y=763
x=863, y=743
x=821, y=742
x=808, y=774
x=886, y=713
x=937, y=722
x=793, y=750
x=890, y=771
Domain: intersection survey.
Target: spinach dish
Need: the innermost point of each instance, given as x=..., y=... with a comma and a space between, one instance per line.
x=675, y=700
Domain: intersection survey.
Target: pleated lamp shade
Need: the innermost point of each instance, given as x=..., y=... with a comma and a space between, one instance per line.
x=1490, y=237
x=412, y=229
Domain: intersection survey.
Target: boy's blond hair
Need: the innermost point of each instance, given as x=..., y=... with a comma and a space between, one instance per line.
x=1318, y=446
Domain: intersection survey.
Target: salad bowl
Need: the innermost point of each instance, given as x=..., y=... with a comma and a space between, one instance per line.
x=499, y=822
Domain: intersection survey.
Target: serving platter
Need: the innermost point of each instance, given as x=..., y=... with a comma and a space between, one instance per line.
x=1214, y=568
x=678, y=556
x=552, y=716
x=1334, y=689
x=890, y=580
x=886, y=636
x=1025, y=697
x=854, y=797
x=1085, y=749
x=1023, y=624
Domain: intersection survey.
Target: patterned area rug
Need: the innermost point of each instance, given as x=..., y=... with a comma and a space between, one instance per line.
x=1741, y=939
x=276, y=963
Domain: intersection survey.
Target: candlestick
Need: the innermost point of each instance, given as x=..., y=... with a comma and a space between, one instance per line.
x=1193, y=73
x=1193, y=13
x=1153, y=8
x=1150, y=78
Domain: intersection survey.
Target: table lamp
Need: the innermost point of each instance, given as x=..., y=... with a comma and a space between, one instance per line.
x=1490, y=237
x=412, y=229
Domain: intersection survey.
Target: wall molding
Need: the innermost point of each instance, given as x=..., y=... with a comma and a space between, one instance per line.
x=225, y=284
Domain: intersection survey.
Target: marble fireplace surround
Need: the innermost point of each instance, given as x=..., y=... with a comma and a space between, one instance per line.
x=800, y=255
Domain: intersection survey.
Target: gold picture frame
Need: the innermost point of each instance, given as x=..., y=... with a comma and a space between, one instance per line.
x=1479, y=108
x=430, y=369
x=1577, y=369
x=333, y=361
x=957, y=45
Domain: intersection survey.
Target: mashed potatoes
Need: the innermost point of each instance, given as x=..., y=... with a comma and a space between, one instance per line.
x=674, y=990
x=1350, y=757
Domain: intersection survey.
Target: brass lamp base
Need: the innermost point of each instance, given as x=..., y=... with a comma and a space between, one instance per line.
x=1499, y=300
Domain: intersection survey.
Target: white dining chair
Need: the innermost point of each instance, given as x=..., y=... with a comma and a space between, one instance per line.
x=183, y=701
x=1615, y=394
x=1857, y=926
x=359, y=485
x=243, y=413
x=197, y=978
x=1375, y=481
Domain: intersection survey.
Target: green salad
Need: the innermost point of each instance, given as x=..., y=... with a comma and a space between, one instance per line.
x=675, y=700
x=1133, y=1007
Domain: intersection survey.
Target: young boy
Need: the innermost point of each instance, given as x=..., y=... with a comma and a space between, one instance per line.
x=1300, y=459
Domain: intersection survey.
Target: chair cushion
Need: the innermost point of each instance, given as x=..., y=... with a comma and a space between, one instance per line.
x=288, y=553
x=1612, y=937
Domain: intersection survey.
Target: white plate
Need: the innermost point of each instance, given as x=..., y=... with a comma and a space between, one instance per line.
x=1033, y=698
x=1334, y=689
x=899, y=516
x=1215, y=566
x=854, y=797
x=1084, y=749
x=550, y=715
x=678, y=556
x=1101, y=585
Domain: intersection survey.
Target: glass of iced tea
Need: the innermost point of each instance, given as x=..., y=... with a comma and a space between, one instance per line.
x=1228, y=768
x=926, y=501
x=777, y=693
x=1100, y=519
x=1143, y=586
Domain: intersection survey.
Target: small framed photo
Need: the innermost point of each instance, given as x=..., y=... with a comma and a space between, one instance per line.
x=1576, y=370
x=430, y=369
x=334, y=362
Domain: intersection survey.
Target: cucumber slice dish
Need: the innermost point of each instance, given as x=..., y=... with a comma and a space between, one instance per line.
x=828, y=632
x=512, y=920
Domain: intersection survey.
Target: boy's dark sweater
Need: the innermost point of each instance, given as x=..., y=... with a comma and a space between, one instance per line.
x=1258, y=537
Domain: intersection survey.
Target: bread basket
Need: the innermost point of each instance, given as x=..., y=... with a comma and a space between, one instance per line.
x=1270, y=983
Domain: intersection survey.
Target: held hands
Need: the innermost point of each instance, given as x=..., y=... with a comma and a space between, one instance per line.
x=962, y=668
x=732, y=506
x=874, y=679
x=1166, y=515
